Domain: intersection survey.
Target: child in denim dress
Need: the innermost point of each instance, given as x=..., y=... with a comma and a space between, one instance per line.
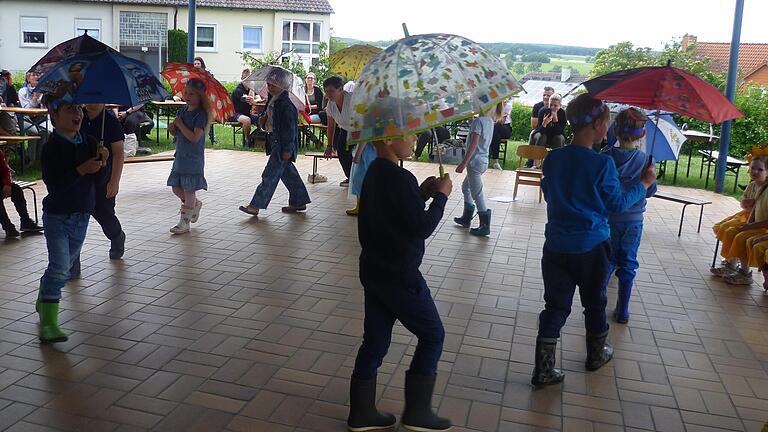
x=187, y=175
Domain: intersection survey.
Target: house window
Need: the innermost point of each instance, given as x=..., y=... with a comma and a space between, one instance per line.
x=92, y=26
x=303, y=38
x=252, y=38
x=34, y=31
x=205, y=37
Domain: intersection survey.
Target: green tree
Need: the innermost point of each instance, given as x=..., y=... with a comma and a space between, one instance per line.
x=556, y=68
x=623, y=55
x=519, y=69
x=534, y=67
x=322, y=69
x=258, y=61
x=177, y=46
x=337, y=44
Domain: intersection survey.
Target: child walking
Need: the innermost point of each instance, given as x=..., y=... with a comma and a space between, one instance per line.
x=582, y=188
x=13, y=191
x=392, y=227
x=739, y=233
x=476, y=163
x=70, y=163
x=187, y=175
x=627, y=226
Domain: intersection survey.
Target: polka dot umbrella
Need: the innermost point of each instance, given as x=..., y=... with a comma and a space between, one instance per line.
x=177, y=75
x=350, y=61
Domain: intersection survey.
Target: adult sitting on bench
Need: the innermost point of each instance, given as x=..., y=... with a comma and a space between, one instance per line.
x=243, y=102
x=136, y=121
x=13, y=191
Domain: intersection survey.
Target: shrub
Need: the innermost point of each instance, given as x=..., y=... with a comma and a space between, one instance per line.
x=177, y=46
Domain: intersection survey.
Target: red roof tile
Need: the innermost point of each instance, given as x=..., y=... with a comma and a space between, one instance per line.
x=752, y=56
x=310, y=6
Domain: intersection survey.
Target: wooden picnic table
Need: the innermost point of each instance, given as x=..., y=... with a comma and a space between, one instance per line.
x=168, y=106
x=732, y=164
x=9, y=141
x=693, y=136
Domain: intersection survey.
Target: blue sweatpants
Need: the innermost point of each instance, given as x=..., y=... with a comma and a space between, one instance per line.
x=64, y=237
x=625, y=241
x=562, y=273
x=413, y=306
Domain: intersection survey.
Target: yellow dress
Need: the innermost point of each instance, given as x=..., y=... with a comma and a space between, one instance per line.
x=737, y=219
x=738, y=245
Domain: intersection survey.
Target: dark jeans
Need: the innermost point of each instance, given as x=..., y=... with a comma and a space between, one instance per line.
x=412, y=305
x=344, y=153
x=625, y=241
x=104, y=213
x=64, y=236
x=17, y=198
x=562, y=273
x=500, y=132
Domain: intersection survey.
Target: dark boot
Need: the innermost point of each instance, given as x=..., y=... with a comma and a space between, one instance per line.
x=117, y=248
x=621, y=313
x=11, y=231
x=363, y=415
x=485, y=224
x=30, y=226
x=544, y=372
x=466, y=218
x=49, y=322
x=418, y=415
x=599, y=352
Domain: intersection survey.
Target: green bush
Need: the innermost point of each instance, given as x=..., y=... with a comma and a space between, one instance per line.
x=521, y=122
x=177, y=46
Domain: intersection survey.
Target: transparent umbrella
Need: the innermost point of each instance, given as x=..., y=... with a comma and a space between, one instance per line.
x=280, y=77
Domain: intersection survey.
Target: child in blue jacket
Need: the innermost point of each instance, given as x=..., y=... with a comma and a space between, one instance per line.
x=582, y=189
x=627, y=226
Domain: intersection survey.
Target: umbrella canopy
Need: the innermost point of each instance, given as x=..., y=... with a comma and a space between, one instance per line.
x=665, y=88
x=349, y=62
x=662, y=137
x=178, y=74
x=108, y=77
x=433, y=79
x=280, y=77
x=80, y=45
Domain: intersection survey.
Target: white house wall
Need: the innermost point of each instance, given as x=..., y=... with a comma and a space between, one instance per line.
x=61, y=26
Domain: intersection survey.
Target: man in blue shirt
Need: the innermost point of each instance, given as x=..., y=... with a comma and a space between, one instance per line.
x=581, y=188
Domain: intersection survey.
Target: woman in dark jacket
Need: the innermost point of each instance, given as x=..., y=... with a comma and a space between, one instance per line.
x=550, y=131
x=279, y=120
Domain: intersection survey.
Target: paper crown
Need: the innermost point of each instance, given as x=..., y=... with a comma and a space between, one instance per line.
x=755, y=151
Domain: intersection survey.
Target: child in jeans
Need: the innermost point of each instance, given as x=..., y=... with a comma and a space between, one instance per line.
x=627, y=226
x=13, y=191
x=581, y=188
x=392, y=228
x=476, y=163
x=69, y=164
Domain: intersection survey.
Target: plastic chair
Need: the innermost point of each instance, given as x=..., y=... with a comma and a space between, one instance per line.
x=529, y=176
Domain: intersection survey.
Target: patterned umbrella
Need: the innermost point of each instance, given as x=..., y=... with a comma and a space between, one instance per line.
x=350, y=61
x=434, y=79
x=177, y=75
x=80, y=45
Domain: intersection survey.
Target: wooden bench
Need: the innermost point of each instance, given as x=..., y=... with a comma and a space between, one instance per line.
x=236, y=127
x=318, y=155
x=152, y=158
x=685, y=201
x=732, y=165
x=29, y=186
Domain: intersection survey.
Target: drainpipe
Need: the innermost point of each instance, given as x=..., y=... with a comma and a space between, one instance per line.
x=730, y=92
x=191, y=28
x=175, y=17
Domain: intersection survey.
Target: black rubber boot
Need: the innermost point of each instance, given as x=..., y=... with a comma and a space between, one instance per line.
x=544, y=372
x=466, y=218
x=117, y=248
x=599, y=352
x=418, y=415
x=485, y=224
x=363, y=416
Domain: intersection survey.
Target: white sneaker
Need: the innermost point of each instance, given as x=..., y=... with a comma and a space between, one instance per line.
x=196, y=211
x=497, y=166
x=183, y=225
x=317, y=178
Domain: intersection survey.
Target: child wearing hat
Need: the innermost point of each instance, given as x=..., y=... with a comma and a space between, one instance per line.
x=582, y=189
x=392, y=228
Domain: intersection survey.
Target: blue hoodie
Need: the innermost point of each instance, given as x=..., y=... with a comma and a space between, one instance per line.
x=630, y=165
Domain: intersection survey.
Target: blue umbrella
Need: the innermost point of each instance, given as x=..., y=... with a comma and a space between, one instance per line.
x=668, y=139
x=106, y=77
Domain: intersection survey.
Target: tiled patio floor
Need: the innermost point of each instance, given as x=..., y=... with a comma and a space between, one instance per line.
x=252, y=325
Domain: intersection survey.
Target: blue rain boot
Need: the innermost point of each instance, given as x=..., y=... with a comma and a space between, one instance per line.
x=485, y=224
x=466, y=219
x=621, y=313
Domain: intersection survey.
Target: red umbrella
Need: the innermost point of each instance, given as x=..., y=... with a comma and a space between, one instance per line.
x=177, y=75
x=665, y=88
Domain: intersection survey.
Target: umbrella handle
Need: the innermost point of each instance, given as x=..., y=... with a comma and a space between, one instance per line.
x=441, y=170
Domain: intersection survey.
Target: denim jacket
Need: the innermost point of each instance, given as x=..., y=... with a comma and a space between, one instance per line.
x=284, y=134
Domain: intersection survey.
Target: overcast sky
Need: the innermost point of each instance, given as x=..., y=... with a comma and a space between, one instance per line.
x=589, y=23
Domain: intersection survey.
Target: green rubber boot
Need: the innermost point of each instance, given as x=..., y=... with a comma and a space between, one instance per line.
x=49, y=322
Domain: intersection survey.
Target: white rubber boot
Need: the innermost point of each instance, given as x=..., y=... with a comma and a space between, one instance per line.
x=184, y=220
x=196, y=211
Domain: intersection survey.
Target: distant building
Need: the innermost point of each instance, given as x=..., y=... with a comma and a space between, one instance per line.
x=534, y=83
x=753, y=57
x=28, y=29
